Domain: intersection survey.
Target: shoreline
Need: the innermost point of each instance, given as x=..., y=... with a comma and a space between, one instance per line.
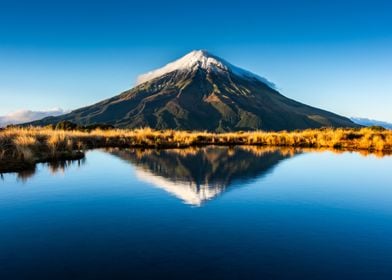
x=12, y=166
x=22, y=148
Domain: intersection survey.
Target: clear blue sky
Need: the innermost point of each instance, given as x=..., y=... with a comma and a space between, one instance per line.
x=336, y=55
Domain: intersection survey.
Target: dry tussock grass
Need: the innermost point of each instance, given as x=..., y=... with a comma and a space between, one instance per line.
x=33, y=143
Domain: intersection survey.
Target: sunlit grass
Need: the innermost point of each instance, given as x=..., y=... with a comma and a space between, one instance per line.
x=34, y=143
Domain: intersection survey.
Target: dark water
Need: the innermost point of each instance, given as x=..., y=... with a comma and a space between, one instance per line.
x=213, y=213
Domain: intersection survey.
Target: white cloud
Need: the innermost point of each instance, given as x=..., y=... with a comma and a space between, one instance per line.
x=23, y=116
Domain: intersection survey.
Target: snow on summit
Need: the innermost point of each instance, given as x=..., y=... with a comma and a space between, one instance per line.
x=200, y=59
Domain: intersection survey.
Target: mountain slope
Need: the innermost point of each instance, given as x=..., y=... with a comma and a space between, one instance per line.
x=203, y=92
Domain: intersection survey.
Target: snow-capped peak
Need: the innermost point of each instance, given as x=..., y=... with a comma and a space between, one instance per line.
x=200, y=59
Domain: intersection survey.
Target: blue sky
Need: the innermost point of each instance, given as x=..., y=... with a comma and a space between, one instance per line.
x=336, y=55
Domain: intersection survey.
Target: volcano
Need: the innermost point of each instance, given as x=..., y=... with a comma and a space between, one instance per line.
x=201, y=91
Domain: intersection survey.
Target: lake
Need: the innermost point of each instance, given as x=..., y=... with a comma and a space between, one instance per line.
x=201, y=213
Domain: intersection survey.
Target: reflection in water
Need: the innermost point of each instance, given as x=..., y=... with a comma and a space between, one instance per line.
x=196, y=175
x=26, y=174
x=60, y=166
x=55, y=167
x=101, y=220
x=203, y=170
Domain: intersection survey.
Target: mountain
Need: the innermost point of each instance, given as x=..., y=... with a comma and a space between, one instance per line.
x=23, y=116
x=370, y=122
x=201, y=91
x=199, y=175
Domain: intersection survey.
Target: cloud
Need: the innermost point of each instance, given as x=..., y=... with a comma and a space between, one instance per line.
x=23, y=116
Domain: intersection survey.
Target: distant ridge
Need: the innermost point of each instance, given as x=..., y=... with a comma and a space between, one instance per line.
x=23, y=116
x=370, y=122
x=201, y=91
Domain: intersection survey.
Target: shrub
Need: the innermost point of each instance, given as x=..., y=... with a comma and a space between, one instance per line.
x=66, y=125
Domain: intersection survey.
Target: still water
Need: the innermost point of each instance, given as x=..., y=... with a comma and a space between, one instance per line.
x=208, y=213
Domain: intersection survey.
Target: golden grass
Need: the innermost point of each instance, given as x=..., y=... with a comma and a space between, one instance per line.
x=34, y=143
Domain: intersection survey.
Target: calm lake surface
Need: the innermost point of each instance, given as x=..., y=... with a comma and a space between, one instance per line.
x=209, y=213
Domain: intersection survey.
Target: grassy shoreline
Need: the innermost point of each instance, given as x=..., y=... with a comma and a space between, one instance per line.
x=21, y=147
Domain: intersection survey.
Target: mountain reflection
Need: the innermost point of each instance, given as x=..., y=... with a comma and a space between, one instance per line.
x=195, y=175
